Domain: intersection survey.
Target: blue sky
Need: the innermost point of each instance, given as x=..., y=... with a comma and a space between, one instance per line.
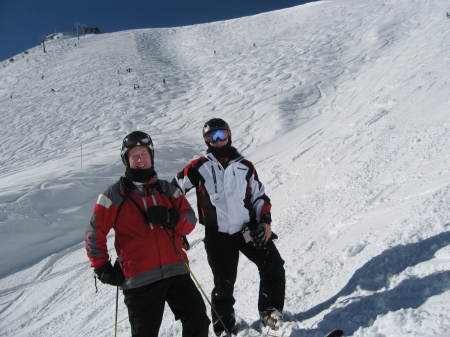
x=22, y=22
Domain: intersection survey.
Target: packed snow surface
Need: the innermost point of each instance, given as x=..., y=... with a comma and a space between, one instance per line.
x=343, y=106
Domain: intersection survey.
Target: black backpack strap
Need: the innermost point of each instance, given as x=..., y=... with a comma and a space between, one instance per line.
x=159, y=188
x=144, y=214
x=118, y=210
x=126, y=186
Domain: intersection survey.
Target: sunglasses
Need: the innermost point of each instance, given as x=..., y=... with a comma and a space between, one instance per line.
x=217, y=136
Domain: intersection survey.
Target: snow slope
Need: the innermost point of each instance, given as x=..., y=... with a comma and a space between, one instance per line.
x=343, y=106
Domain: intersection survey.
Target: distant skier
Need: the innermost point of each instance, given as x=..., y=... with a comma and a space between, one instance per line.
x=235, y=211
x=150, y=218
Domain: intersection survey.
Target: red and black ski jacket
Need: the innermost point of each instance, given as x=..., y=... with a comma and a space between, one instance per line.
x=147, y=252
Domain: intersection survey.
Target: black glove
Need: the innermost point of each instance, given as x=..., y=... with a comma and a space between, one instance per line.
x=163, y=216
x=258, y=235
x=109, y=274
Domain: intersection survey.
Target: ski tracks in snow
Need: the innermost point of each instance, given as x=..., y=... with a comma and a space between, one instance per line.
x=323, y=97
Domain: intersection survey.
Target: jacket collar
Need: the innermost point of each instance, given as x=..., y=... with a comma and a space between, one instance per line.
x=126, y=185
x=233, y=159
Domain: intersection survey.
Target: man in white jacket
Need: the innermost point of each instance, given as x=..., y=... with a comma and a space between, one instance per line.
x=235, y=211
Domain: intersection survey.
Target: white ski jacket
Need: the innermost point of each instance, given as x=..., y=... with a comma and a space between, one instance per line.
x=227, y=197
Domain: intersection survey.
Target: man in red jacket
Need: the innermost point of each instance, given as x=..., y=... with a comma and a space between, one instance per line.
x=150, y=218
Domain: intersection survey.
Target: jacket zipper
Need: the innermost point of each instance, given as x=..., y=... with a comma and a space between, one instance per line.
x=154, y=200
x=155, y=203
x=214, y=178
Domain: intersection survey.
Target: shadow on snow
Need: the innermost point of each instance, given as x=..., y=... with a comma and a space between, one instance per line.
x=374, y=276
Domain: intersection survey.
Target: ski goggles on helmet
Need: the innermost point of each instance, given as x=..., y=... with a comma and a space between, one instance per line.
x=130, y=142
x=217, y=136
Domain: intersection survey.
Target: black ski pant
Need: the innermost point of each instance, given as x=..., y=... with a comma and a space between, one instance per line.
x=146, y=307
x=223, y=257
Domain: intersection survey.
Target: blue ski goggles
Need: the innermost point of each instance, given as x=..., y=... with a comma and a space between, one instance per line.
x=217, y=136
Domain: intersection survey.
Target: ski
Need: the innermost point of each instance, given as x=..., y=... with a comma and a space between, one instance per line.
x=267, y=332
x=335, y=333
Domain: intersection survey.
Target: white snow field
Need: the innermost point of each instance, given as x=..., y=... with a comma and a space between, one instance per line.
x=343, y=106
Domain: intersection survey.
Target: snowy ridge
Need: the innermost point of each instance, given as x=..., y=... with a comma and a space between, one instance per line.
x=342, y=105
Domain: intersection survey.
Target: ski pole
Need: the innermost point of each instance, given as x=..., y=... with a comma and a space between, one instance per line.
x=117, y=307
x=189, y=270
x=206, y=297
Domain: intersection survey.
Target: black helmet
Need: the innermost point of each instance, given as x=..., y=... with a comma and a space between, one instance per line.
x=215, y=124
x=136, y=138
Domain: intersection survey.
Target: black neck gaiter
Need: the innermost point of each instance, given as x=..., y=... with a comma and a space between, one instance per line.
x=226, y=151
x=140, y=175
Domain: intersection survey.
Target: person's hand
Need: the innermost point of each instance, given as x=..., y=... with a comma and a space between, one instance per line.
x=163, y=216
x=261, y=234
x=267, y=231
x=110, y=275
